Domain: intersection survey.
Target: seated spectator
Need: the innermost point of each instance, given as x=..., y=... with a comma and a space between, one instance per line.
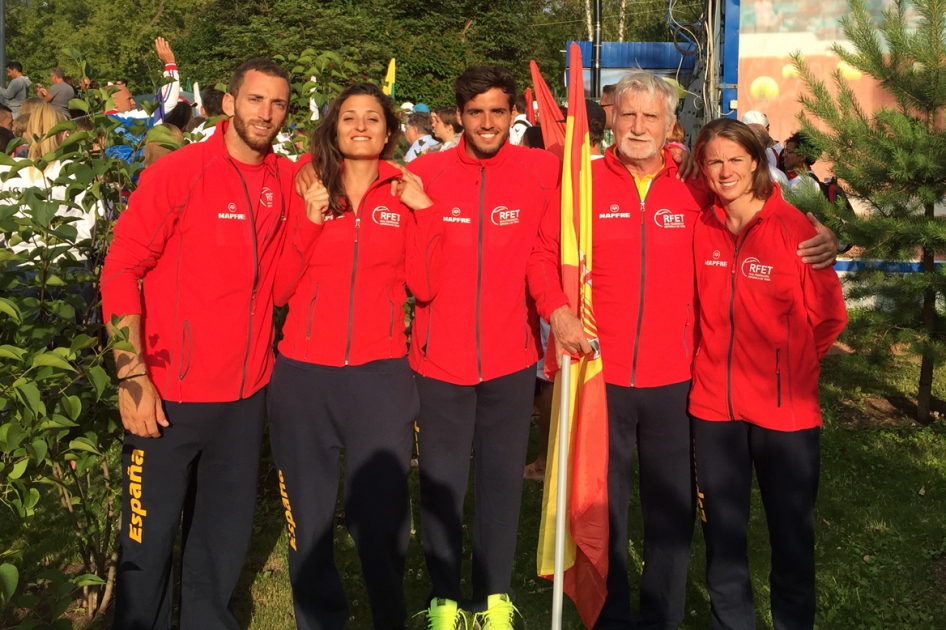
x=161, y=140
x=533, y=139
x=42, y=120
x=446, y=126
x=597, y=120
x=180, y=115
x=59, y=93
x=19, y=130
x=6, y=117
x=211, y=110
x=195, y=123
x=520, y=120
x=6, y=137
x=30, y=104
x=775, y=174
x=419, y=133
x=798, y=166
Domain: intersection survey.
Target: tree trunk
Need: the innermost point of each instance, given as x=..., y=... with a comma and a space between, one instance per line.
x=925, y=393
x=622, y=13
x=591, y=35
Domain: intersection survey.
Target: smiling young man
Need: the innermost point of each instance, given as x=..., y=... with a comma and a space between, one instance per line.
x=473, y=351
x=203, y=234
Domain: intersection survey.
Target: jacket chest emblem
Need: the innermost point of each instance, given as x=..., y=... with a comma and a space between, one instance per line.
x=665, y=218
x=455, y=216
x=384, y=216
x=614, y=212
x=231, y=213
x=716, y=262
x=501, y=215
x=755, y=269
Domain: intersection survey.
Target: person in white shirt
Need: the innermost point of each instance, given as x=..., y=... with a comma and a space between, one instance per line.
x=419, y=133
x=520, y=121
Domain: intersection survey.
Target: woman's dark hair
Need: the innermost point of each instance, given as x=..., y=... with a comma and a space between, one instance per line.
x=327, y=159
x=477, y=80
x=533, y=139
x=738, y=132
x=180, y=115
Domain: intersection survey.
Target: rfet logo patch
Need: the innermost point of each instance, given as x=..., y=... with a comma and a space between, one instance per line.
x=501, y=215
x=753, y=269
x=266, y=197
x=383, y=216
x=667, y=219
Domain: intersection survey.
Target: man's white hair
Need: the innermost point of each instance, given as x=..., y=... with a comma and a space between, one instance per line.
x=644, y=81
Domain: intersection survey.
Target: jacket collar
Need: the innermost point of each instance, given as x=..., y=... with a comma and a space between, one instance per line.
x=495, y=160
x=614, y=163
x=217, y=142
x=767, y=209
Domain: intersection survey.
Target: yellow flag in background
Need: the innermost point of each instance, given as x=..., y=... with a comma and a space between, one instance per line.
x=389, y=80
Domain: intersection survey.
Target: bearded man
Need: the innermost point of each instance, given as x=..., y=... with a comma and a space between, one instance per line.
x=189, y=277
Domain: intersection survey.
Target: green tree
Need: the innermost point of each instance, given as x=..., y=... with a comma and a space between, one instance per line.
x=894, y=160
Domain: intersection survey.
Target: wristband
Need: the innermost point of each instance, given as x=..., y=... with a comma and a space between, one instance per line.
x=128, y=378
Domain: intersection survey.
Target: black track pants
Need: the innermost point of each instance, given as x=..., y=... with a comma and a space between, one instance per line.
x=653, y=420
x=493, y=418
x=368, y=410
x=215, y=448
x=787, y=465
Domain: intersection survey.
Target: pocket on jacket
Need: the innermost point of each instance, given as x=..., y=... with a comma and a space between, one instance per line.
x=186, y=345
x=778, y=377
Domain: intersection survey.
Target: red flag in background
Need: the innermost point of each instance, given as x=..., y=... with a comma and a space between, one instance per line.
x=586, y=535
x=530, y=111
x=550, y=115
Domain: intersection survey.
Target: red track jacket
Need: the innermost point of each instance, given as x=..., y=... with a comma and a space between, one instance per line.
x=766, y=320
x=477, y=327
x=348, y=308
x=207, y=256
x=642, y=272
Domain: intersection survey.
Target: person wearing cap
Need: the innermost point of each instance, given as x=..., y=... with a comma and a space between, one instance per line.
x=759, y=122
x=419, y=132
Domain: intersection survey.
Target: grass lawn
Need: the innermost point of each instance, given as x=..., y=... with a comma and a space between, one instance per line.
x=881, y=518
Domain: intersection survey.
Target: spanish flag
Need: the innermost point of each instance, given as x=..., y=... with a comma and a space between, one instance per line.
x=388, y=87
x=586, y=537
x=553, y=131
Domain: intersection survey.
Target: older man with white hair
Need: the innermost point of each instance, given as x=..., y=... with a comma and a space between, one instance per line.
x=643, y=219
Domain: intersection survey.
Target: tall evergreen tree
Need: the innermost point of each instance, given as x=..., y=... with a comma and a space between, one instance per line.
x=894, y=160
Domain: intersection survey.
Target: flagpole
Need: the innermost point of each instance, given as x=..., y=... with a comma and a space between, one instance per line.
x=560, y=507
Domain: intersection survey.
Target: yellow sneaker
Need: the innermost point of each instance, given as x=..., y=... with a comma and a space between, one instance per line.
x=444, y=614
x=499, y=614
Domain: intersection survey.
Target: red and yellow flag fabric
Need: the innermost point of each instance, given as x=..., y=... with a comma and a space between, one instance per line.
x=530, y=111
x=586, y=538
x=550, y=116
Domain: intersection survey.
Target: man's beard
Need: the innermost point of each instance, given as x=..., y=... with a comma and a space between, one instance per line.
x=254, y=142
x=487, y=151
x=632, y=150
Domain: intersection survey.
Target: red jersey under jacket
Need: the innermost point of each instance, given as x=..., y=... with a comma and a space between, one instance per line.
x=348, y=308
x=207, y=256
x=642, y=272
x=477, y=327
x=766, y=320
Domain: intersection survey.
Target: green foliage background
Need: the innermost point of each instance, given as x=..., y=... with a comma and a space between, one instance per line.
x=433, y=40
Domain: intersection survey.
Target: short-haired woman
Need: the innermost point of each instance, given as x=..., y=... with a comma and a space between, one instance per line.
x=765, y=321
